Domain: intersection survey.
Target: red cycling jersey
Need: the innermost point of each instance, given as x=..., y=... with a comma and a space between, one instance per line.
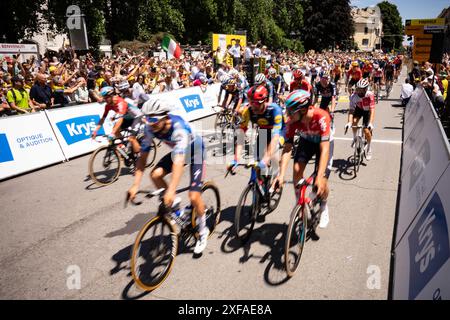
x=316, y=130
x=366, y=103
x=304, y=85
x=354, y=74
x=120, y=106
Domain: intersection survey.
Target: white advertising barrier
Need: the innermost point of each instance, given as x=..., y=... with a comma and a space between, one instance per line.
x=73, y=127
x=192, y=103
x=422, y=259
x=425, y=158
x=413, y=111
x=27, y=142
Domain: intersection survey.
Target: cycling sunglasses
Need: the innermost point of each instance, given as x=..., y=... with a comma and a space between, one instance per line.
x=153, y=120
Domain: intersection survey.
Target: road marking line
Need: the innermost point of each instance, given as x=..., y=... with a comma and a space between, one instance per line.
x=373, y=140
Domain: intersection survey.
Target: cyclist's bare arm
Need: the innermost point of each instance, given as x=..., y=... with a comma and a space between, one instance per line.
x=285, y=158
x=333, y=104
x=272, y=148
x=321, y=181
x=240, y=135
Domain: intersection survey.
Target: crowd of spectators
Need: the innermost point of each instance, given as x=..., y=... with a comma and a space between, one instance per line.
x=66, y=79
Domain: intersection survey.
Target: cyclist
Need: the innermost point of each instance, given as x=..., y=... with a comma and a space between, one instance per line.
x=130, y=116
x=267, y=116
x=278, y=83
x=327, y=90
x=314, y=126
x=187, y=148
x=336, y=72
x=301, y=83
x=376, y=78
x=389, y=71
x=260, y=79
x=233, y=93
x=398, y=66
x=367, y=69
x=354, y=75
x=362, y=105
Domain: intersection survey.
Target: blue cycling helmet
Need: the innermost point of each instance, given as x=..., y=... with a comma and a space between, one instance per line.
x=106, y=91
x=299, y=99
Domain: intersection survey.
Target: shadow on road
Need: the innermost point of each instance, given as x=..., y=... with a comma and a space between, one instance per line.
x=270, y=235
x=106, y=177
x=132, y=226
x=344, y=168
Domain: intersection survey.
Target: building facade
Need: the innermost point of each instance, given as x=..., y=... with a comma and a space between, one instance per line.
x=368, y=28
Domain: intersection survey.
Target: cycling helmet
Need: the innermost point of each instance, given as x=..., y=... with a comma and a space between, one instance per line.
x=362, y=84
x=324, y=74
x=272, y=71
x=107, y=91
x=355, y=64
x=260, y=78
x=155, y=107
x=223, y=79
x=230, y=82
x=123, y=85
x=298, y=74
x=258, y=94
x=299, y=99
x=376, y=66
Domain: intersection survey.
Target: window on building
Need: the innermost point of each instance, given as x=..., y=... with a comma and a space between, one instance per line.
x=366, y=30
x=50, y=37
x=365, y=42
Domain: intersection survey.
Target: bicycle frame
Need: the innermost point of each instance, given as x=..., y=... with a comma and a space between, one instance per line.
x=303, y=185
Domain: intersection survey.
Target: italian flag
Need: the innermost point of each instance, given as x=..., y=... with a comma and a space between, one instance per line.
x=169, y=45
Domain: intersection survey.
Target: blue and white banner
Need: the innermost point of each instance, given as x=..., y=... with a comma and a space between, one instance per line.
x=74, y=126
x=27, y=142
x=422, y=268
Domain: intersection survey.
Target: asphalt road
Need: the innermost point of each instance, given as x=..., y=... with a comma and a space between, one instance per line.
x=54, y=219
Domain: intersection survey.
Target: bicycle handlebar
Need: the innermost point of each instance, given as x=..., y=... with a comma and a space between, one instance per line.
x=246, y=165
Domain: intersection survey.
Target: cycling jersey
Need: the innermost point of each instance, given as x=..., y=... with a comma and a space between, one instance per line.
x=316, y=131
x=377, y=73
x=366, y=103
x=354, y=74
x=304, y=85
x=271, y=119
x=389, y=68
x=269, y=86
x=184, y=141
x=124, y=107
x=327, y=93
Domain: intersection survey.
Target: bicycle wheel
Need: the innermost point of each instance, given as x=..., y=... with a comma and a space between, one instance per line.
x=104, y=165
x=152, y=154
x=246, y=212
x=154, y=253
x=211, y=198
x=356, y=158
x=295, y=238
x=220, y=123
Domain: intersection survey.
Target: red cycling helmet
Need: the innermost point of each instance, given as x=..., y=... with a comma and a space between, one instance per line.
x=298, y=74
x=257, y=94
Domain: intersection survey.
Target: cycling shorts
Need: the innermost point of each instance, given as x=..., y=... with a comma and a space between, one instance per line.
x=365, y=114
x=132, y=125
x=353, y=82
x=195, y=159
x=377, y=80
x=306, y=150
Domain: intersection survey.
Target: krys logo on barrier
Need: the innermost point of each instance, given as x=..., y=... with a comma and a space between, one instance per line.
x=428, y=246
x=192, y=103
x=5, y=150
x=78, y=129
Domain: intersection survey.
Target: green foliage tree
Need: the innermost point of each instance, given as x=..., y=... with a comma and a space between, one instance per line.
x=392, y=26
x=327, y=23
x=21, y=18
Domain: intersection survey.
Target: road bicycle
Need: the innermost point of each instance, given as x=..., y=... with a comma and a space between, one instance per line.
x=359, y=147
x=303, y=222
x=257, y=198
x=157, y=243
x=105, y=163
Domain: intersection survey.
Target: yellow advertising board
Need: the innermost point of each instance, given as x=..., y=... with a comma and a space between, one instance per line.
x=223, y=40
x=427, y=22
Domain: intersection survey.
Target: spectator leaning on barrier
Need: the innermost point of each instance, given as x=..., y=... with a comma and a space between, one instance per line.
x=81, y=95
x=41, y=93
x=18, y=98
x=406, y=92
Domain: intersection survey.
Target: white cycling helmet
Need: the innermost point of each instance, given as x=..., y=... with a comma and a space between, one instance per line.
x=155, y=107
x=362, y=84
x=260, y=78
x=123, y=85
x=272, y=71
